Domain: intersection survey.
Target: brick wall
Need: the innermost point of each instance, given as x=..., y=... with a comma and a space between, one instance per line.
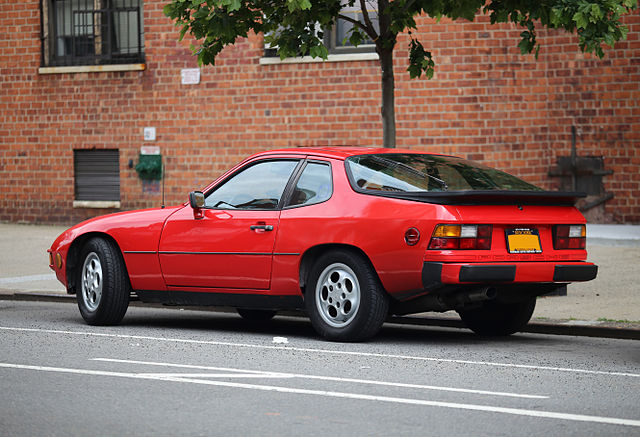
x=486, y=102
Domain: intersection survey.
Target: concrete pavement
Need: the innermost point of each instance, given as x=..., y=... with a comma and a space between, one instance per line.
x=611, y=301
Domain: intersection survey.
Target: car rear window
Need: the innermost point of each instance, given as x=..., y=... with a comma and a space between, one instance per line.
x=422, y=172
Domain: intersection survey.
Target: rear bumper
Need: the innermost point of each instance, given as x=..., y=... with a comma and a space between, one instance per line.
x=436, y=275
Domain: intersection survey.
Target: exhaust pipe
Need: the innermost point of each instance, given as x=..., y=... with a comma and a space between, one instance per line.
x=441, y=303
x=486, y=293
x=473, y=296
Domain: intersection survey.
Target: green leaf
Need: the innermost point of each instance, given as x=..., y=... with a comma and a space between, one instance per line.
x=596, y=14
x=580, y=20
x=420, y=60
x=319, y=51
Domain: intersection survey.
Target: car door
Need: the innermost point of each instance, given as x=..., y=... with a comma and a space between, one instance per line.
x=231, y=244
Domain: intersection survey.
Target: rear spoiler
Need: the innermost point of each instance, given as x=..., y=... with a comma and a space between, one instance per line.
x=485, y=197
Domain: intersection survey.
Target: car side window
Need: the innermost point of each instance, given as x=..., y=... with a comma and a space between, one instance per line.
x=259, y=186
x=314, y=186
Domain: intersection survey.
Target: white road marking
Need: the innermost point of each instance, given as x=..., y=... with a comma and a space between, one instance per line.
x=319, y=377
x=31, y=278
x=323, y=351
x=214, y=375
x=355, y=396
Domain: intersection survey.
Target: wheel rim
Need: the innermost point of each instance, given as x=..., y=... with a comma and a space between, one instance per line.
x=92, y=282
x=338, y=295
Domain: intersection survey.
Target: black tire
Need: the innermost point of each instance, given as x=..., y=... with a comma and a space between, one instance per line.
x=103, y=286
x=344, y=298
x=256, y=316
x=499, y=319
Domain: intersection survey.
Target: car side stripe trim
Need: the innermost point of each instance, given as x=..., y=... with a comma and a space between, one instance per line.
x=221, y=253
x=215, y=253
x=153, y=252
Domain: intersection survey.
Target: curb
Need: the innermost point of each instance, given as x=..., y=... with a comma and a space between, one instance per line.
x=559, y=328
x=570, y=328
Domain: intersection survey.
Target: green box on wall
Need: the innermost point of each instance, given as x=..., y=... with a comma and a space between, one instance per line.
x=149, y=167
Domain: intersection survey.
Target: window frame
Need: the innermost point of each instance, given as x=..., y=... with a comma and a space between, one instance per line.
x=331, y=36
x=285, y=193
x=330, y=41
x=130, y=55
x=295, y=181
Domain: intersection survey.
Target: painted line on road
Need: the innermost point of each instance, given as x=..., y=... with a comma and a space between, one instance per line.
x=342, y=395
x=324, y=351
x=212, y=375
x=318, y=377
x=31, y=278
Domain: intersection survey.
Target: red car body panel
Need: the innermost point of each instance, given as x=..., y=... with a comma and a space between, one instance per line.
x=220, y=249
x=136, y=233
x=172, y=250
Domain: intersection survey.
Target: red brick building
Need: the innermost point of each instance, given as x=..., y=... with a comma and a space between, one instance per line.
x=486, y=102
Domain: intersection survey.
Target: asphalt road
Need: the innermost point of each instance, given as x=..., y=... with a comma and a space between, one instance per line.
x=173, y=372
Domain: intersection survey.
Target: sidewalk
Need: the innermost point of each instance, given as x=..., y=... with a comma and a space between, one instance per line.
x=611, y=300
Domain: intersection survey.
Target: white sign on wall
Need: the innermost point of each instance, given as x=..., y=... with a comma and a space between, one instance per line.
x=149, y=133
x=190, y=76
x=149, y=150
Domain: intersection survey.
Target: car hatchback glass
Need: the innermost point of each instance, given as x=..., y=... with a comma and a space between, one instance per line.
x=423, y=172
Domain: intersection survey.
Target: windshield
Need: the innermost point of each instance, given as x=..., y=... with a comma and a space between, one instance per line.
x=414, y=173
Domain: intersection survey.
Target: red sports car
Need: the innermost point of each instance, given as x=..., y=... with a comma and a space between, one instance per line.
x=351, y=235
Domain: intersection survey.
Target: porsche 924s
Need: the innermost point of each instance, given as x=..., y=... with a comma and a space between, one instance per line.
x=350, y=235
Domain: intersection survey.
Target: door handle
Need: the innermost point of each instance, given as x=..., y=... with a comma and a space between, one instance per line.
x=261, y=228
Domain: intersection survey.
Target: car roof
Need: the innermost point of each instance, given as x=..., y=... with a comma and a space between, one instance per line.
x=337, y=152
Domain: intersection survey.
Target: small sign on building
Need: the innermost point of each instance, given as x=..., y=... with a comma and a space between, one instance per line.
x=150, y=150
x=190, y=76
x=149, y=133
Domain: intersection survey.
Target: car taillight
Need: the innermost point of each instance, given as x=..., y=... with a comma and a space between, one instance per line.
x=461, y=237
x=569, y=237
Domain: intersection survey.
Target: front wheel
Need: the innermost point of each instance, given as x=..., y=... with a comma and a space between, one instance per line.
x=103, y=284
x=498, y=319
x=344, y=298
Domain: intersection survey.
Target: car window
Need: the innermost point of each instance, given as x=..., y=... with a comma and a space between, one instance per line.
x=259, y=186
x=314, y=185
x=422, y=172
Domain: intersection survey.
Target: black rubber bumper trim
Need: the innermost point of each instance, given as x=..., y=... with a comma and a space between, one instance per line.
x=504, y=273
x=431, y=276
x=572, y=273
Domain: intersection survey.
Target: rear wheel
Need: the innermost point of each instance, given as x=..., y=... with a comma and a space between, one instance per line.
x=498, y=319
x=344, y=298
x=252, y=315
x=103, y=284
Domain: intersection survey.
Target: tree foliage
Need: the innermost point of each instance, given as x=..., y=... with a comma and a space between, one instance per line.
x=297, y=27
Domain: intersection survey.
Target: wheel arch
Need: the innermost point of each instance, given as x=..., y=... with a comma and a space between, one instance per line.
x=313, y=253
x=73, y=256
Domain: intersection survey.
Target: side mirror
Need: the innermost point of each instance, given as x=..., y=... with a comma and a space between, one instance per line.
x=196, y=200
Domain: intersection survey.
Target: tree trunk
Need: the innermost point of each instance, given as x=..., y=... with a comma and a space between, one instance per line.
x=388, y=99
x=385, y=44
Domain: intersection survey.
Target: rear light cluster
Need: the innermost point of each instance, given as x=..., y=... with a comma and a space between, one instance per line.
x=569, y=237
x=446, y=237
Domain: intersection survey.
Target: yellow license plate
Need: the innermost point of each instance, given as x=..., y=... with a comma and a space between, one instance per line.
x=523, y=240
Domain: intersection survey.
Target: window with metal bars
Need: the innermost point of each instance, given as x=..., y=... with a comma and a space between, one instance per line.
x=92, y=32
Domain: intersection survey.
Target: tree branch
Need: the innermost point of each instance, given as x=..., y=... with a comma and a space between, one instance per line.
x=408, y=5
x=367, y=20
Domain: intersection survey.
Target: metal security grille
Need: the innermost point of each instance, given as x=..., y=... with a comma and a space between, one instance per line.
x=89, y=32
x=97, y=174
